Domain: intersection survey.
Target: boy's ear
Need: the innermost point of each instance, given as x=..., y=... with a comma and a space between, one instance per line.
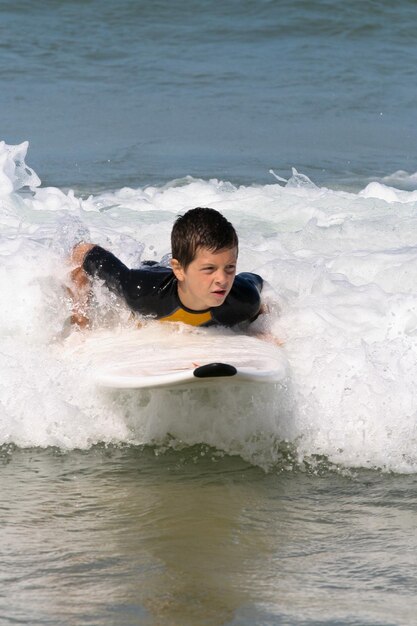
x=177, y=269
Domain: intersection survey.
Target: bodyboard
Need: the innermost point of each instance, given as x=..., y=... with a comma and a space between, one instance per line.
x=148, y=358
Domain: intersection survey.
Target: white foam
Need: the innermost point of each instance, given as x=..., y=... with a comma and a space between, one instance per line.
x=389, y=194
x=402, y=180
x=14, y=173
x=343, y=268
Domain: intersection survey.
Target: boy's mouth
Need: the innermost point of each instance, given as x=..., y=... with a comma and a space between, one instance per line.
x=220, y=293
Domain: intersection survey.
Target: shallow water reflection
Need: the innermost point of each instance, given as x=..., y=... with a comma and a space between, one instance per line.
x=124, y=536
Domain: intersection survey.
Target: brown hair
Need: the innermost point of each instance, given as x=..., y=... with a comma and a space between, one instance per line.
x=200, y=228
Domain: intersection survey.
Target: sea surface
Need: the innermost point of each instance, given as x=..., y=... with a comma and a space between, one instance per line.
x=291, y=504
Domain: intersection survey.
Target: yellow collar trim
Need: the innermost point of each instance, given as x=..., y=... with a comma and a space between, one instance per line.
x=193, y=319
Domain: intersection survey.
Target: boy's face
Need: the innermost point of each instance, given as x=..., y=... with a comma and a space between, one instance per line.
x=207, y=280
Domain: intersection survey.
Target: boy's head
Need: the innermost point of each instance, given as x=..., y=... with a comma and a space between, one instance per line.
x=200, y=228
x=204, y=256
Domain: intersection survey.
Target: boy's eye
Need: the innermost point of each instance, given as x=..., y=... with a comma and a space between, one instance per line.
x=229, y=269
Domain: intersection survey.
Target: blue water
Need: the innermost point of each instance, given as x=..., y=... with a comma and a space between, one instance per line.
x=295, y=506
x=138, y=92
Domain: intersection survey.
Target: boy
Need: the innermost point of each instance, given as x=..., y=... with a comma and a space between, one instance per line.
x=200, y=289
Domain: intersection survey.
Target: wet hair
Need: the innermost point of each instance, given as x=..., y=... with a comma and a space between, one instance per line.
x=200, y=228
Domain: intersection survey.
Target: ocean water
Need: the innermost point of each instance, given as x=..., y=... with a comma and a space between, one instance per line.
x=142, y=91
x=294, y=504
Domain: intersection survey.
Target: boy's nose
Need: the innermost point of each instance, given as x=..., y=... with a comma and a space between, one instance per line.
x=221, y=278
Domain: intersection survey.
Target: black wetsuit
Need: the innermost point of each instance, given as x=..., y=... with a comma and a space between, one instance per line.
x=152, y=290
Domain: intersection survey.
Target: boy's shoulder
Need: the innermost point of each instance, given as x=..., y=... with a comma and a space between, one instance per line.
x=249, y=280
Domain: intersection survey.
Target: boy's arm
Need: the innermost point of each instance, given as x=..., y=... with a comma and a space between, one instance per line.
x=80, y=284
x=261, y=327
x=261, y=330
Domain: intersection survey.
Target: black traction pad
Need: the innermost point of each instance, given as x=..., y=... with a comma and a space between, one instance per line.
x=214, y=369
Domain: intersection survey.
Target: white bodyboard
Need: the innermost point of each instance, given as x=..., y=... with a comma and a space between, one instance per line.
x=161, y=357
